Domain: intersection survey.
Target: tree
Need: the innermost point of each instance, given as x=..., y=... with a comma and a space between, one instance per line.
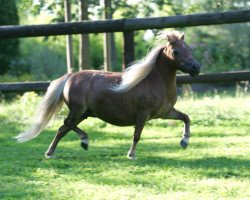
x=69, y=42
x=224, y=47
x=109, y=40
x=218, y=48
x=9, y=49
x=84, y=52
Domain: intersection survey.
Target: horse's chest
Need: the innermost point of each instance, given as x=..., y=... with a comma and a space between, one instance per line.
x=166, y=105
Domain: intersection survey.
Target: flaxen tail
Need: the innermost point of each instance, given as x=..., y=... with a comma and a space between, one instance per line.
x=50, y=104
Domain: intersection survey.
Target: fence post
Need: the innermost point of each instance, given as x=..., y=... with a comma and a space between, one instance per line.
x=128, y=49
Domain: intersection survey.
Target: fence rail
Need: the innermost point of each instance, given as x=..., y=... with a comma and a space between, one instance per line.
x=127, y=25
x=181, y=79
x=124, y=25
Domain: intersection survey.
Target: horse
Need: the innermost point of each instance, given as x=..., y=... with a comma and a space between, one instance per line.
x=145, y=91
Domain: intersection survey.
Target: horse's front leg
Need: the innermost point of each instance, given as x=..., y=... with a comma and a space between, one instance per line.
x=139, y=124
x=177, y=115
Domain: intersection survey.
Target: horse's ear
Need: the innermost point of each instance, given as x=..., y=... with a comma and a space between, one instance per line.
x=170, y=39
x=167, y=38
x=182, y=36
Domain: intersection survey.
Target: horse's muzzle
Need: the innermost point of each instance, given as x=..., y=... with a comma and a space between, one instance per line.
x=192, y=67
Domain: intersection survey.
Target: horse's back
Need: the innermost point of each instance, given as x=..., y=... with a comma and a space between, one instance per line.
x=90, y=90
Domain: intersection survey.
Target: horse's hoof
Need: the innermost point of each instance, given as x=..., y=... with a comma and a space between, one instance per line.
x=85, y=146
x=132, y=157
x=49, y=156
x=183, y=143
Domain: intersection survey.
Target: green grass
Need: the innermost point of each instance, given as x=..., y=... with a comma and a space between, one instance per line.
x=216, y=165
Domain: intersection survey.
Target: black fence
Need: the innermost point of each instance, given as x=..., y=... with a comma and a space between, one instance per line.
x=126, y=26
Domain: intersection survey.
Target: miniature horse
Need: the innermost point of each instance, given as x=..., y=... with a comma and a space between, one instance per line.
x=146, y=90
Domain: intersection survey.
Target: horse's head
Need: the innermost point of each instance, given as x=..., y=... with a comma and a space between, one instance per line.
x=180, y=54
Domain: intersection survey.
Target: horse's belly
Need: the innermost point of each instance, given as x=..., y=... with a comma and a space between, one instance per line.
x=115, y=119
x=114, y=112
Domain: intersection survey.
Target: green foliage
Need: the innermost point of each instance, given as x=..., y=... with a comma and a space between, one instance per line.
x=218, y=48
x=214, y=166
x=224, y=5
x=96, y=50
x=223, y=47
x=47, y=60
x=9, y=48
x=22, y=78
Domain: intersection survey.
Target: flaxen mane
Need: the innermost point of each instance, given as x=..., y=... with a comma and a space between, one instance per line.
x=141, y=69
x=169, y=35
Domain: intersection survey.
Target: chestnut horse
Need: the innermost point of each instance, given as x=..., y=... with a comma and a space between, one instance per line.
x=146, y=90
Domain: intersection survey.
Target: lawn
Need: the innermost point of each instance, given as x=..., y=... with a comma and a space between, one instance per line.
x=216, y=165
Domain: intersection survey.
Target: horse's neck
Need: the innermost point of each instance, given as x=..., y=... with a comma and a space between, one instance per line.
x=166, y=71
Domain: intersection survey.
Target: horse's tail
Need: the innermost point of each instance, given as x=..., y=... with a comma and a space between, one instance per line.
x=50, y=104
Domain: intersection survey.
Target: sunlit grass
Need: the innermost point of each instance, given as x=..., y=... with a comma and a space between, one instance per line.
x=216, y=165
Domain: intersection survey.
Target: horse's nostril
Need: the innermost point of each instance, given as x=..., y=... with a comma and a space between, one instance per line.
x=194, y=67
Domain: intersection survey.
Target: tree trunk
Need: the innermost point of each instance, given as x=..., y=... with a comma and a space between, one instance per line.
x=84, y=52
x=108, y=41
x=9, y=49
x=69, y=44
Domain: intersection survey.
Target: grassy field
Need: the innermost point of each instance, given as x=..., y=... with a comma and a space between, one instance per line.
x=216, y=165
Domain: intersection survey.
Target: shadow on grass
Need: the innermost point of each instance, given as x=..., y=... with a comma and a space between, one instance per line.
x=94, y=168
x=211, y=167
x=22, y=161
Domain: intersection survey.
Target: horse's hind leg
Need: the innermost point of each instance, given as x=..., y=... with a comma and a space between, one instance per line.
x=62, y=131
x=84, y=137
x=69, y=124
x=72, y=122
x=177, y=115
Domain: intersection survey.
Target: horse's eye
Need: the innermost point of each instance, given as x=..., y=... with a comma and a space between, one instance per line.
x=175, y=52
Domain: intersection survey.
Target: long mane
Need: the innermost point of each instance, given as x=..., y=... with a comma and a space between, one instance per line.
x=142, y=68
x=138, y=71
